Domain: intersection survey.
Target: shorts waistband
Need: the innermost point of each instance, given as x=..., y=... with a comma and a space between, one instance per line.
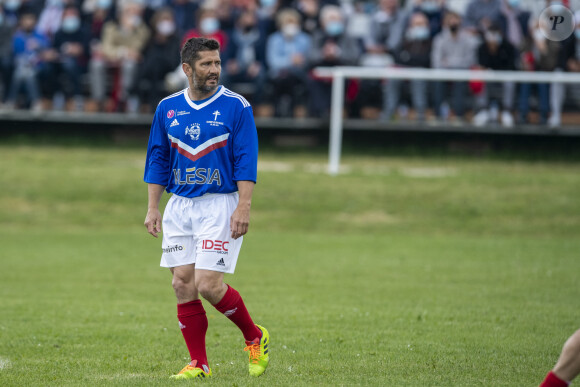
x=206, y=196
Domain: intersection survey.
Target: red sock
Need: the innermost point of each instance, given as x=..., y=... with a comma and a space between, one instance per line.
x=553, y=381
x=193, y=324
x=232, y=306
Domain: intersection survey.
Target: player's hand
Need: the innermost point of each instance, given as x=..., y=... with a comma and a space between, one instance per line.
x=153, y=221
x=240, y=222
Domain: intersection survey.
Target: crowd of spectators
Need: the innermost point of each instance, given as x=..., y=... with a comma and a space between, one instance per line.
x=123, y=56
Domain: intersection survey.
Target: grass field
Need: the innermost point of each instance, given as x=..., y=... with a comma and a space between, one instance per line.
x=402, y=271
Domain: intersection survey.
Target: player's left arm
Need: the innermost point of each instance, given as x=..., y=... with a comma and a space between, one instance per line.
x=240, y=219
x=245, y=138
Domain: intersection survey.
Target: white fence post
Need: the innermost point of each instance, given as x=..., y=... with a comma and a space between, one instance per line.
x=336, y=109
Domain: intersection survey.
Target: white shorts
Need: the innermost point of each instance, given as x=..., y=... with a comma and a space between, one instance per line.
x=197, y=230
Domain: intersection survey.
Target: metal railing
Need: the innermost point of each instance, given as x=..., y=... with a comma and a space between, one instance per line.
x=339, y=74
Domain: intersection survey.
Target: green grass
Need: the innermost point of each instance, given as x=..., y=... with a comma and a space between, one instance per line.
x=402, y=271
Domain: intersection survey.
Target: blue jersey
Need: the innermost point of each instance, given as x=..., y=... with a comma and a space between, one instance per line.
x=200, y=147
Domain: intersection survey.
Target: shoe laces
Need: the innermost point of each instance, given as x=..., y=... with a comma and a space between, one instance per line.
x=189, y=367
x=254, y=352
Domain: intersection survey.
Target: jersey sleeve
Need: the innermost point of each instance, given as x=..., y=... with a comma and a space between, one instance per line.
x=157, y=170
x=245, y=147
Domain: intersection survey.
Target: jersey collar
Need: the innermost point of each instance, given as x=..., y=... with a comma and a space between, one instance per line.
x=204, y=102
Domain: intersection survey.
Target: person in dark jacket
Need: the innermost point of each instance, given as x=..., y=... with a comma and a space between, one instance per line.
x=415, y=51
x=246, y=56
x=330, y=47
x=496, y=53
x=6, y=64
x=160, y=57
x=67, y=61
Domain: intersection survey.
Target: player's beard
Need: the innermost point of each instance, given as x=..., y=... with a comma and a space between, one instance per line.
x=200, y=84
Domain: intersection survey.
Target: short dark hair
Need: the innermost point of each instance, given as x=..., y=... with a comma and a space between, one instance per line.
x=191, y=48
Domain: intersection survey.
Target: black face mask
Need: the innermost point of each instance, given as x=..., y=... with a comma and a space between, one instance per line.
x=454, y=28
x=247, y=29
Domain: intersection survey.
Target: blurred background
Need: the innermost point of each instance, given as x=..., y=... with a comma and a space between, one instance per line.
x=104, y=56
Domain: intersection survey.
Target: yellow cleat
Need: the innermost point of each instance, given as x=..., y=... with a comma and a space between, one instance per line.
x=258, y=353
x=190, y=371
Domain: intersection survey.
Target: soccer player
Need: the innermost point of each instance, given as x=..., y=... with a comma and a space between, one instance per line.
x=568, y=365
x=203, y=148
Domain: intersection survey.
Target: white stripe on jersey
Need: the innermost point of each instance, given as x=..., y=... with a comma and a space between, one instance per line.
x=229, y=93
x=173, y=95
x=200, y=148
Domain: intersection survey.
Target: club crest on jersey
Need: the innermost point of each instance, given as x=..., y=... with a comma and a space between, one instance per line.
x=193, y=131
x=215, y=122
x=170, y=113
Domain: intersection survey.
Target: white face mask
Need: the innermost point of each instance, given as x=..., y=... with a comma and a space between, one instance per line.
x=290, y=30
x=209, y=25
x=166, y=27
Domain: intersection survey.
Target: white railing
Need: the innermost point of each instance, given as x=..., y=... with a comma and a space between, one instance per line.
x=339, y=74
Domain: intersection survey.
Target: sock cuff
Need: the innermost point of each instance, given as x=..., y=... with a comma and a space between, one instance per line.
x=229, y=300
x=190, y=308
x=553, y=380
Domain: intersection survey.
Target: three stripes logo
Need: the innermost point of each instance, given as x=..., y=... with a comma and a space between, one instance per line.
x=221, y=262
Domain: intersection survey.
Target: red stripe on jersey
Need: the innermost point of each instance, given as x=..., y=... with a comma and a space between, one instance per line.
x=194, y=157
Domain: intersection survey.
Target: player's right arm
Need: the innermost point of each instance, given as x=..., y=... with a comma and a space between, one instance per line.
x=153, y=218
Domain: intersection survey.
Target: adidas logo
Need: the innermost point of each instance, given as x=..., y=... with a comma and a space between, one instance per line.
x=221, y=262
x=174, y=123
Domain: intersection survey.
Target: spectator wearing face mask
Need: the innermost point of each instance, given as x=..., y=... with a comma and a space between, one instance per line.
x=286, y=57
x=570, y=57
x=208, y=26
x=414, y=52
x=13, y=9
x=330, y=47
x=28, y=46
x=246, y=57
x=160, y=57
x=6, y=65
x=122, y=44
x=434, y=10
x=67, y=61
x=496, y=53
x=387, y=27
x=453, y=48
x=96, y=13
x=544, y=55
x=310, y=12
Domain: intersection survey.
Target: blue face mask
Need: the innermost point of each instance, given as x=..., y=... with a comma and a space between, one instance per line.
x=12, y=5
x=577, y=34
x=334, y=28
x=104, y=4
x=267, y=3
x=71, y=24
x=514, y=3
x=209, y=25
x=430, y=6
x=556, y=2
x=418, y=33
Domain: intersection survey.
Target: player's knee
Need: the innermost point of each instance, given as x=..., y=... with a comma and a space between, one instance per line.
x=209, y=289
x=180, y=284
